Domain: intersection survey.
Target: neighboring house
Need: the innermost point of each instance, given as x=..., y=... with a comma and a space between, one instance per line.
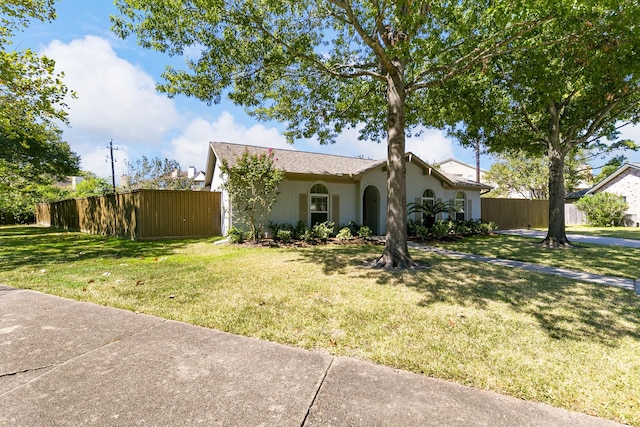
x=197, y=177
x=461, y=169
x=626, y=182
x=323, y=187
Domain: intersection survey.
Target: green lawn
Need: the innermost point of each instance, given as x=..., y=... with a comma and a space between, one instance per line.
x=620, y=232
x=541, y=338
x=598, y=259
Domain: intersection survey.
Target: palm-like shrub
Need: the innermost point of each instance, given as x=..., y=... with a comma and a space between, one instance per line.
x=429, y=210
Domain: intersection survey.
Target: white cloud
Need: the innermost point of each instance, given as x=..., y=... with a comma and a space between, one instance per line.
x=115, y=101
x=190, y=148
x=115, y=98
x=431, y=146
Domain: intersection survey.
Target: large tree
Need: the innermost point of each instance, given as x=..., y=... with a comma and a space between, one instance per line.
x=569, y=89
x=322, y=66
x=31, y=99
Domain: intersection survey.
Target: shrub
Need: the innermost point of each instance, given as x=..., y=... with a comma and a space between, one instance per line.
x=323, y=230
x=235, y=235
x=422, y=232
x=284, y=235
x=344, y=234
x=440, y=229
x=365, y=232
x=604, y=209
x=300, y=230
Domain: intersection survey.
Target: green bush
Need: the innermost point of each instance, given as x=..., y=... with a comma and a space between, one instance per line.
x=422, y=232
x=344, y=234
x=440, y=229
x=285, y=236
x=323, y=230
x=365, y=232
x=604, y=209
x=235, y=235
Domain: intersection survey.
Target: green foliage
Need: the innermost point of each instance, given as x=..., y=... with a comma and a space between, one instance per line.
x=285, y=236
x=322, y=231
x=91, y=185
x=604, y=209
x=252, y=183
x=155, y=174
x=440, y=229
x=20, y=193
x=365, y=232
x=344, y=234
x=429, y=210
x=570, y=87
x=610, y=167
x=31, y=99
x=235, y=235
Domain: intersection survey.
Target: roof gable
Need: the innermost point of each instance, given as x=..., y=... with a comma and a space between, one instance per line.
x=621, y=170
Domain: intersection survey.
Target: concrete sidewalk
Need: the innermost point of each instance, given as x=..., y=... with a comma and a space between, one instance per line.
x=68, y=363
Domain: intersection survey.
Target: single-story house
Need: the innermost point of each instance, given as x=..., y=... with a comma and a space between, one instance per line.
x=323, y=187
x=625, y=181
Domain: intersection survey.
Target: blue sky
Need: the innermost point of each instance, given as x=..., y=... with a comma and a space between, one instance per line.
x=115, y=84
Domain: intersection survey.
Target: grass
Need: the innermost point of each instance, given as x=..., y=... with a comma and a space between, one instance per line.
x=541, y=338
x=619, y=232
x=598, y=259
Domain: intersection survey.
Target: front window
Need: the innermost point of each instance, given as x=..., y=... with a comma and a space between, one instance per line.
x=428, y=199
x=459, y=204
x=319, y=199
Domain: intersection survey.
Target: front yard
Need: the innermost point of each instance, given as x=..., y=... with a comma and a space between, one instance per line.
x=532, y=336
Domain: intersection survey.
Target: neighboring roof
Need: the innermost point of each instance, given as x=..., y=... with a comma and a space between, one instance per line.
x=452, y=160
x=576, y=194
x=305, y=163
x=622, y=169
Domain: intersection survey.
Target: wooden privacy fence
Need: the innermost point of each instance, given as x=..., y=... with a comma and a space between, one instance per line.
x=515, y=213
x=139, y=215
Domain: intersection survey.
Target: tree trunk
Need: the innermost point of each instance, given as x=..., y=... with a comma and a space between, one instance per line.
x=556, y=233
x=396, y=253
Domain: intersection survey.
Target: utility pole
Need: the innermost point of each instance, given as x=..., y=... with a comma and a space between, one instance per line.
x=113, y=170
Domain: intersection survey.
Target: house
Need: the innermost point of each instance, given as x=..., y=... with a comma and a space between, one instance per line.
x=461, y=169
x=197, y=177
x=626, y=182
x=324, y=187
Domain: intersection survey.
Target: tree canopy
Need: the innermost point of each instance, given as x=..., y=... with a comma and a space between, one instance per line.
x=323, y=66
x=568, y=89
x=31, y=99
x=155, y=173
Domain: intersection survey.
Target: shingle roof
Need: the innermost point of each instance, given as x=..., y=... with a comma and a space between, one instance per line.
x=293, y=161
x=300, y=162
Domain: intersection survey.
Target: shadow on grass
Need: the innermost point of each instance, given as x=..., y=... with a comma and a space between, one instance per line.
x=562, y=308
x=25, y=245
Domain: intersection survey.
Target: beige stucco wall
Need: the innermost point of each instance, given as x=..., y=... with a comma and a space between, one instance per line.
x=350, y=192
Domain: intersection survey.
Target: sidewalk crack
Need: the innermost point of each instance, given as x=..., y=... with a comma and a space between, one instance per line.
x=315, y=396
x=24, y=371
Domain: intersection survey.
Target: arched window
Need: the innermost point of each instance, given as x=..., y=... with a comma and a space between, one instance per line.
x=428, y=197
x=319, y=204
x=460, y=204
